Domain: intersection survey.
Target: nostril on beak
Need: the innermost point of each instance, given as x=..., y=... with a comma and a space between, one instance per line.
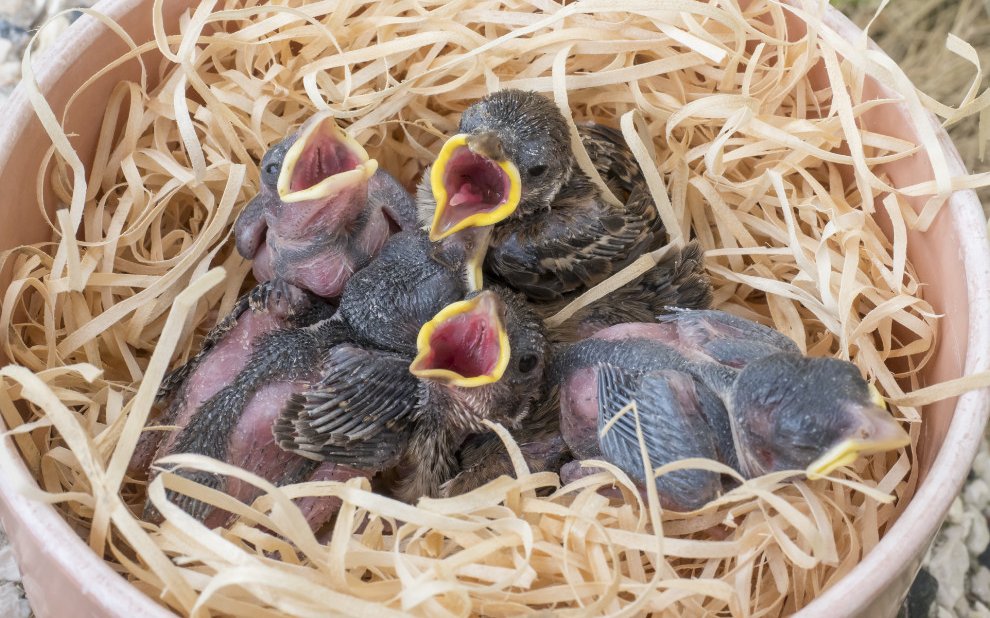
x=487, y=144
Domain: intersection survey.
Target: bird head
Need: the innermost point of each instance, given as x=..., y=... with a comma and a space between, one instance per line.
x=792, y=412
x=316, y=179
x=513, y=150
x=482, y=358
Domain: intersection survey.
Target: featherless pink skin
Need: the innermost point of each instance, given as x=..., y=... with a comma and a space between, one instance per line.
x=224, y=361
x=579, y=413
x=253, y=448
x=323, y=210
x=319, y=511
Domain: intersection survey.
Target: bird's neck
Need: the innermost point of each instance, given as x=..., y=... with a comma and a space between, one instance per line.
x=466, y=250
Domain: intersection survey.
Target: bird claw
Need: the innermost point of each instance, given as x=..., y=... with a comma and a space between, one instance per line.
x=198, y=509
x=278, y=297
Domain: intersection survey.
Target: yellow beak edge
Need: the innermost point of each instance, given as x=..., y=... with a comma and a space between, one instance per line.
x=322, y=126
x=438, y=231
x=485, y=302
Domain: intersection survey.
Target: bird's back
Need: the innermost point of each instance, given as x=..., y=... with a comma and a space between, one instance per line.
x=388, y=301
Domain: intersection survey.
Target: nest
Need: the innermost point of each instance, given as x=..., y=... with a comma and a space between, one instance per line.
x=744, y=148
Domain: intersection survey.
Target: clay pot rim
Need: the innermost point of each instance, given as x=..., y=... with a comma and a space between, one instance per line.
x=66, y=551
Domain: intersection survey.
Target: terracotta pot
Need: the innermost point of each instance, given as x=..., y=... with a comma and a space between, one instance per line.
x=63, y=577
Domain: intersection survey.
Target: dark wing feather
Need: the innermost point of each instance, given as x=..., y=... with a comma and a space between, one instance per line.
x=678, y=281
x=359, y=414
x=612, y=158
x=673, y=424
x=580, y=241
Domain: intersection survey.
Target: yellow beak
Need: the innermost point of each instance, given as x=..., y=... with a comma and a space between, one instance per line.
x=461, y=330
x=878, y=432
x=446, y=220
x=343, y=160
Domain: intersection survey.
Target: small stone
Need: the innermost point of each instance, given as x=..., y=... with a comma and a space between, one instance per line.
x=979, y=535
x=12, y=32
x=920, y=602
x=962, y=608
x=8, y=565
x=977, y=494
x=12, y=602
x=957, y=512
x=980, y=610
x=979, y=585
x=949, y=563
x=981, y=465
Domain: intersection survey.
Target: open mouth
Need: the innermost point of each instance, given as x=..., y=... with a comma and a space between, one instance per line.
x=471, y=189
x=465, y=344
x=321, y=162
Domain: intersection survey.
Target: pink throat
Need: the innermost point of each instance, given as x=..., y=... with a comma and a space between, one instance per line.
x=468, y=345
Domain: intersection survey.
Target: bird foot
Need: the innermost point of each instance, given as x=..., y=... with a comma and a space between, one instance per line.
x=278, y=297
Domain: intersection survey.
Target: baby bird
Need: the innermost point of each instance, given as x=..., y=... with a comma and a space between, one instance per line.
x=708, y=384
x=191, y=394
x=323, y=210
x=562, y=236
x=479, y=358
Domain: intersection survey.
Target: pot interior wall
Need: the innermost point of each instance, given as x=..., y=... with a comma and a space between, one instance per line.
x=935, y=254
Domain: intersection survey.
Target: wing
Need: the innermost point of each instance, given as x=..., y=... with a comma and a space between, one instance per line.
x=250, y=227
x=579, y=241
x=359, y=414
x=678, y=281
x=612, y=157
x=670, y=406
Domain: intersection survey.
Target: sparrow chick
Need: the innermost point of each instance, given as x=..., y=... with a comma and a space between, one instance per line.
x=323, y=210
x=709, y=384
x=478, y=358
x=513, y=150
x=194, y=396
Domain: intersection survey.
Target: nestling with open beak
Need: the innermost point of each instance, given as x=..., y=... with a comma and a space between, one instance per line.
x=479, y=358
x=709, y=384
x=323, y=210
x=513, y=151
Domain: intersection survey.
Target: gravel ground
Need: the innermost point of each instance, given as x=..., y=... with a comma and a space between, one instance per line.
x=955, y=580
